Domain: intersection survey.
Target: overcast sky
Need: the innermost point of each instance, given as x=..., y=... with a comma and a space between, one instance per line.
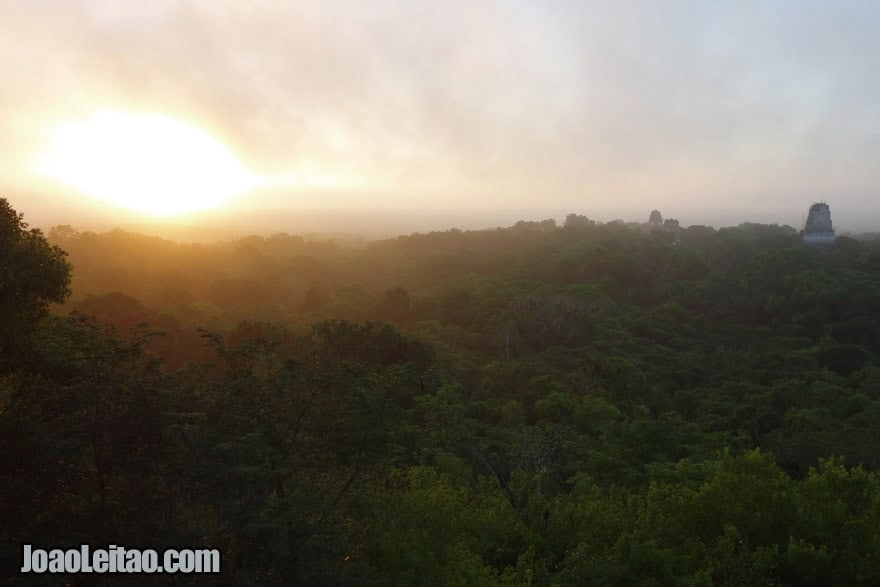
x=712, y=111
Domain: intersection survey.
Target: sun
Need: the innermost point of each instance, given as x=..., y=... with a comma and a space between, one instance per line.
x=151, y=163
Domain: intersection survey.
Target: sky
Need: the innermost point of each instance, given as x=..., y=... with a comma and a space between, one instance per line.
x=460, y=112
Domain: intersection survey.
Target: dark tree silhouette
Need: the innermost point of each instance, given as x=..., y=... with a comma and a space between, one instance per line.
x=33, y=274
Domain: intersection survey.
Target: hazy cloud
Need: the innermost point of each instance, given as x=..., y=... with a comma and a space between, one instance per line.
x=519, y=103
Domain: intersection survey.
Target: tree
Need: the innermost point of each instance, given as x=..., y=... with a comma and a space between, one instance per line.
x=33, y=274
x=395, y=305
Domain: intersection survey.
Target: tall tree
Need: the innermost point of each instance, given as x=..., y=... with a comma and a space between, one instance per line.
x=33, y=274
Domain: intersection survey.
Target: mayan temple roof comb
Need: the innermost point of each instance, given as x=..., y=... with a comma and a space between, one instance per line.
x=818, y=230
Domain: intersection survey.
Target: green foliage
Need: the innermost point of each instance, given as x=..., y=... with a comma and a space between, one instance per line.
x=590, y=404
x=33, y=274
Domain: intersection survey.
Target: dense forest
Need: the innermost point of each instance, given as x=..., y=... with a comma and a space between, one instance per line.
x=584, y=404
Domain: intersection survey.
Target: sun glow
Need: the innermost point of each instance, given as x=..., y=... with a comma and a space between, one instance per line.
x=145, y=162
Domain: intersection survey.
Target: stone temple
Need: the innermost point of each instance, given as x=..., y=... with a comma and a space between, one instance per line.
x=817, y=230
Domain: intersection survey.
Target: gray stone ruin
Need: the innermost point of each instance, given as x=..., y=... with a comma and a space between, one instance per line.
x=817, y=230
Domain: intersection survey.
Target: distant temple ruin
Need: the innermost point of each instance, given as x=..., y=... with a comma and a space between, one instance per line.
x=655, y=220
x=817, y=230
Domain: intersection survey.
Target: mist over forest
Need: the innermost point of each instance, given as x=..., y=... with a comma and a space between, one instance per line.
x=548, y=403
x=405, y=292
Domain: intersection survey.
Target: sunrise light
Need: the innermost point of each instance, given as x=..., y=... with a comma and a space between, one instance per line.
x=150, y=163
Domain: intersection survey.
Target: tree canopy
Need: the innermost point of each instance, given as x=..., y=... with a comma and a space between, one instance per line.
x=33, y=274
x=585, y=404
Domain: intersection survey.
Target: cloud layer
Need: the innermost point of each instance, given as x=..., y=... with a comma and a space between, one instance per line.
x=508, y=104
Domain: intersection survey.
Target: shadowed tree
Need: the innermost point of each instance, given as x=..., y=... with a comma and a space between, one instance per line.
x=33, y=274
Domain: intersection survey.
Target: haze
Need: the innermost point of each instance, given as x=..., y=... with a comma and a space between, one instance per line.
x=410, y=115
